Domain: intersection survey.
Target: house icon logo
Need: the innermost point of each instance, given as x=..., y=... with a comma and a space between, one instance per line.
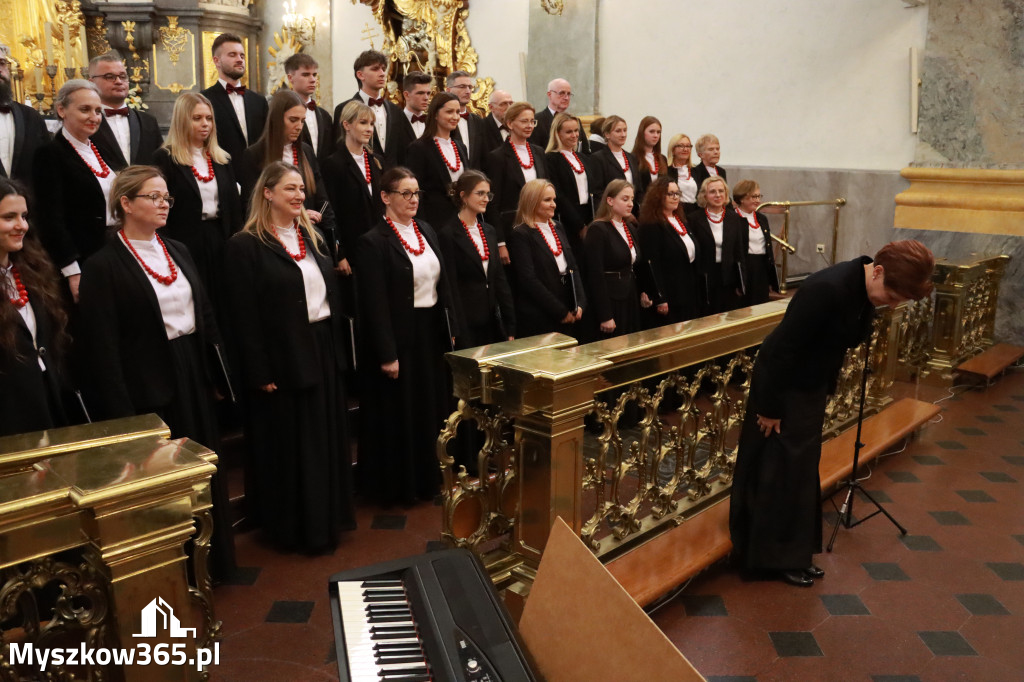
x=158, y=615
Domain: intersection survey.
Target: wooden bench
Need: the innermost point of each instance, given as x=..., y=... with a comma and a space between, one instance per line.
x=992, y=361
x=655, y=567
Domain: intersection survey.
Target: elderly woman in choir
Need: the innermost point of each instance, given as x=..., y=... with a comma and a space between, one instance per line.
x=651, y=163
x=680, y=170
x=722, y=242
x=438, y=159
x=760, y=258
x=710, y=151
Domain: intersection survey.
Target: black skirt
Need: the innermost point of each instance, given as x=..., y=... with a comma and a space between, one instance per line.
x=758, y=279
x=301, y=460
x=205, y=241
x=625, y=311
x=531, y=323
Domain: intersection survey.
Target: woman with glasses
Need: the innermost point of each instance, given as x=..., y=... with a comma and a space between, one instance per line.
x=651, y=163
x=722, y=241
x=673, y=253
x=614, y=162
x=285, y=304
x=680, y=170
x=760, y=257
x=709, y=149
x=471, y=247
x=572, y=175
x=510, y=167
x=147, y=338
x=409, y=323
x=438, y=159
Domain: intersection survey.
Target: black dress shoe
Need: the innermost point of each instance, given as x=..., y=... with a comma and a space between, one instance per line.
x=798, y=578
x=813, y=571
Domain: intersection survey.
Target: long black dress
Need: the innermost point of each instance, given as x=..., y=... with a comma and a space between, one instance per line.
x=676, y=274
x=543, y=295
x=297, y=435
x=613, y=287
x=775, y=514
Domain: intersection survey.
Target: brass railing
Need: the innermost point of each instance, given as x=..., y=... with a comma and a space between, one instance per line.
x=784, y=238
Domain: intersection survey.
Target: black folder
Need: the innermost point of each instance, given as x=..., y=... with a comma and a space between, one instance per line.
x=647, y=280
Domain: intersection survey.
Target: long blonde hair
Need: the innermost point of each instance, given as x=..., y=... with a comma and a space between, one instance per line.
x=259, y=221
x=554, y=142
x=529, y=200
x=179, y=136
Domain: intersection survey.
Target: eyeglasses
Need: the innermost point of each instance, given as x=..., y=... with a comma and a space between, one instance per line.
x=757, y=196
x=674, y=195
x=156, y=198
x=461, y=87
x=407, y=194
x=561, y=93
x=531, y=122
x=683, y=146
x=111, y=77
x=481, y=193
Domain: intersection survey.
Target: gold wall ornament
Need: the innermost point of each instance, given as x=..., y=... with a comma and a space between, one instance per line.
x=174, y=39
x=479, y=103
x=129, y=37
x=553, y=6
x=369, y=34
x=298, y=26
x=96, y=35
x=285, y=45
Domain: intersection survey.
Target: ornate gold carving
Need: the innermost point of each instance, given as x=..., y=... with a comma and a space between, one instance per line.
x=972, y=200
x=553, y=6
x=129, y=37
x=174, y=39
x=285, y=45
x=96, y=35
x=183, y=42
x=479, y=103
x=369, y=34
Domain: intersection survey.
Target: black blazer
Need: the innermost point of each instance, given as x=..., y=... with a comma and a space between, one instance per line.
x=502, y=167
x=145, y=139
x=273, y=339
x=229, y=131
x=573, y=216
x=481, y=296
x=595, y=147
x=187, y=212
x=643, y=178
x=358, y=210
x=392, y=152
x=423, y=159
x=676, y=276
x=30, y=133
x=478, y=146
x=405, y=136
x=122, y=343
x=72, y=221
x=542, y=130
x=325, y=142
x=386, y=300
x=700, y=173
x=607, y=168
x=608, y=252
x=734, y=246
x=773, y=273
x=539, y=290
x=492, y=138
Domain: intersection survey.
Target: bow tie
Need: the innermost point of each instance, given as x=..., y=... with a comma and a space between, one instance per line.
x=375, y=101
x=123, y=111
x=311, y=105
x=464, y=115
x=419, y=118
x=5, y=108
x=503, y=127
x=240, y=89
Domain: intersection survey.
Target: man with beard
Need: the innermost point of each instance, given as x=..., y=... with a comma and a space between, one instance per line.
x=126, y=136
x=22, y=129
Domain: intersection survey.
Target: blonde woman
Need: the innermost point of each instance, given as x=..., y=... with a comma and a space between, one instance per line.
x=285, y=304
x=680, y=171
x=721, y=236
x=573, y=176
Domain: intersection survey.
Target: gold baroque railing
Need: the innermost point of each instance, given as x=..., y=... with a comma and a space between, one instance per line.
x=785, y=240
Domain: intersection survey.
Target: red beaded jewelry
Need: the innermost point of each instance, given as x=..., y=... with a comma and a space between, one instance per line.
x=419, y=236
x=678, y=226
x=302, y=244
x=657, y=166
x=20, y=288
x=625, y=161
x=458, y=159
x=166, y=280
x=209, y=170
x=558, y=242
x=712, y=220
x=104, y=170
x=625, y=231
x=577, y=171
x=485, y=255
x=366, y=164
x=295, y=155
x=529, y=150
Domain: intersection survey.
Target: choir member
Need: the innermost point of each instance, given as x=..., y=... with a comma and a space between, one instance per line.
x=240, y=113
x=22, y=129
x=74, y=218
x=285, y=303
x=710, y=151
x=681, y=171
x=651, y=163
x=371, y=71
x=722, y=243
x=437, y=159
x=32, y=322
x=572, y=174
x=760, y=257
x=596, y=141
x=207, y=209
x=303, y=74
x=775, y=511
x=549, y=294
x=416, y=89
x=147, y=334
x=559, y=96
x=672, y=251
x=510, y=167
x=471, y=127
x=495, y=131
x=486, y=313
x=613, y=162
x=409, y=320
x=126, y=136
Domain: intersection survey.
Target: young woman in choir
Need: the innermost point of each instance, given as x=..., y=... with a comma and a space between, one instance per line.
x=681, y=172
x=722, y=244
x=281, y=141
x=549, y=295
x=410, y=322
x=651, y=163
x=673, y=252
x=284, y=298
x=75, y=180
x=32, y=322
x=614, y=162
x=437, y=159
x=471, y=246
x=760, y=257
x=510, y=167
x=710, y=152
x=207, y=209
x=147, y=336
x=573, y=176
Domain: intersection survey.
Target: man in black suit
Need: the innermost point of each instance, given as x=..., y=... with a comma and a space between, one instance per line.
x=240, y=114
x=371, y=70
x=559, y=98
x=126, y=136
x=303, y=73
x=471, y=127
x=416, y=91
x=495, y=130
x=22, y=129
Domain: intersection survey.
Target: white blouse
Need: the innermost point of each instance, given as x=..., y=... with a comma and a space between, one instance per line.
x=621, y=229
x=426, y=268
x=717, y=230
x=176, y=304
x=582, y=189
x=549, y=237
x=523, y=151
x=317, y=307
x=286, y=154
x=207, y=190
x=651, y=164
x=105, y=183
x=687, y=240
x=755, y=237
x=476, y=235
x=620, y=156
x=448, y=152
x=10, y=289
x=687, y=185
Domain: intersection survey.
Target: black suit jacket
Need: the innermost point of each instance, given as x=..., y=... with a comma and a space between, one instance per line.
x=608, y=252
x=477, y=141
x=186, y=215
x=734, y=247
x=144, y=140
x=72, y=220
x=358, y=210
x=386, y=299
x=573, y=216
x=229, y=131
x=491, y=133
x=122, y=342
x=595, y=147
x=405, y=136
x=773, y=273
x=392, y=151
x=325, y=142
x=267, y=302
x=423, y=159
x=700, y=174
x=30, y=133
x=676, y=276
x=506, y=174
x=540, y=298
x=607, y=168
x=542, y=130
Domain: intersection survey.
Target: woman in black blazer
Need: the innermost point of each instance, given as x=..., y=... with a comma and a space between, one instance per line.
x=681, y=171
x=486, y=314
x=32, y=321
x=613, y=162
x=722, y=238
x=573, y=177
x=760, y=257
x=510, y=167
x=672, y=252
x=147, y=339
x=709, y=149
x=409, y=323
x=437, y=159
x=207, y=209
x=549, y=294
x=284, y=299
x=75, y=180
x=651, y=163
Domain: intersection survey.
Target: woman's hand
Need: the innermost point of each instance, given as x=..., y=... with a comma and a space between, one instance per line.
x=73, y=285
x=766, y=425
x=314, y=216
x=579, y=314
x=511, y=338
x=343, y=267
x=269, y=388
x=645, y=300
x=390, y=369
x=608, y=326
x=662, y=308
x=569, y=318
x=503, y=254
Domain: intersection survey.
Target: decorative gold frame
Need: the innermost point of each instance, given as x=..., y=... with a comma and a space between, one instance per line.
x=175, y=41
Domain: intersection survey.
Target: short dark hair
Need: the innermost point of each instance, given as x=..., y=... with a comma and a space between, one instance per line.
x=368, y=58
x=225, y=38
x=299, y=60
x=414, y=78
x=908, y=266
x=456, y=74
x=394, y=176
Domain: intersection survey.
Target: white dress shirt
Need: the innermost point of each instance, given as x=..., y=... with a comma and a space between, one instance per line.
x=238, y=103
x=476, y=235
x=549, y=237
x=717, y=231
x=448, y=152
x=176, y=304
x=582, y=189
x=523, y=152
x=105, y=184
x=621, y=229
x=380, y=122
x=122, y=131
x=755, y=237
x=7, y=142
x=426, y=268
x=687, y=185
x=464, y=131
x=207, y=190
x=712, y=170
x=652, y=164
x=687, y=240
x=361, y=165
x=288, y=156
x=317, y=306
x=312, y=126
x=502, y=128
x=9, y=288
x=417, y=126
x=620, y=156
